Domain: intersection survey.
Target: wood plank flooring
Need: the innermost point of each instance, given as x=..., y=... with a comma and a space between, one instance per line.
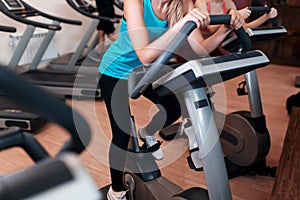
x=276, y=84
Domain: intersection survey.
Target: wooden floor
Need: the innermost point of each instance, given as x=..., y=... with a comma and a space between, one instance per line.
x=276, y=84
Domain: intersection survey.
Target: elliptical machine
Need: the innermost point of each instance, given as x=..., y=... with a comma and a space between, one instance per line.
x=188, y=81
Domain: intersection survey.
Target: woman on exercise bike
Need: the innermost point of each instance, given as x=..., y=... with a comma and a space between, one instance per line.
x=224, y=6
x=146, y=29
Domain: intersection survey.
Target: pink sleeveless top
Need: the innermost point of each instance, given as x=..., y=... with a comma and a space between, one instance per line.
x=223, y=5
x=219, y=50
x=205, y=31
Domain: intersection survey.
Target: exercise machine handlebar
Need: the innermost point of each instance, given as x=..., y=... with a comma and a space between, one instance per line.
x=64, y=177
x=41, y=102
x=62, y=20
x=28, y=11
x=7, y=29
x=176, y=42
x=15, y=137
x=264, y=9
x=88, y=14
x=22, y=19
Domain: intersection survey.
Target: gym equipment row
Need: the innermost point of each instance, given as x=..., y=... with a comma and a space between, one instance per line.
x=59, y=82
x=62, y=81
x=11, y=114
x=194, y=73
x=188, y=81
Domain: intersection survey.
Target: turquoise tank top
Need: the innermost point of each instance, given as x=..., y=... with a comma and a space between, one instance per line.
x=120, y=58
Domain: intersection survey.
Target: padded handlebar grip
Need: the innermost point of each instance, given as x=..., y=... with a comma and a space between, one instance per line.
x=242, y=35
x=264, y=9
x=8, y=29
x=258, y=9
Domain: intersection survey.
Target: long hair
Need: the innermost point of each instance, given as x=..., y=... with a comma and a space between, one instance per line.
x=174, y=12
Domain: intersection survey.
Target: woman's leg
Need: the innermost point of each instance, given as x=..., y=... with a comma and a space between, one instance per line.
x=105, y=8
x=169, y=111
x=115, y=95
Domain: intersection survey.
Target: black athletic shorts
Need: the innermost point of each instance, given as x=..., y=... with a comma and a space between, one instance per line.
x=105, y=8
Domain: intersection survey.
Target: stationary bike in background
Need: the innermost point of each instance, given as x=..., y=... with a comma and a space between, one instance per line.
x=244, y=135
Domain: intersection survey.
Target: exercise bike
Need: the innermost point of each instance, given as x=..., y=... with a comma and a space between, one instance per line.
x=188, y=82
x=244, y=135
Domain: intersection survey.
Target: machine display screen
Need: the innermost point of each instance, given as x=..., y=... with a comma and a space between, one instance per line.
x=80, y=3
x=13, y=4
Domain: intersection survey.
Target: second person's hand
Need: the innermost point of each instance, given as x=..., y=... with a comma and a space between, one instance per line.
x=237, y=20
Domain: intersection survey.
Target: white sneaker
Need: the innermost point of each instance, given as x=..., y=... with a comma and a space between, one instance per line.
x=112, y=195
x=151, y=144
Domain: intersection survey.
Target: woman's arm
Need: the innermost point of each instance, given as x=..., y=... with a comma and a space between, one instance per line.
x=202, y=46
x=262, y=19
x=245, y=12
x=205, y=46
x=147, y=52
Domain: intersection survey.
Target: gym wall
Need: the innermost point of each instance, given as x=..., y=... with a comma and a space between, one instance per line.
x=66, y=40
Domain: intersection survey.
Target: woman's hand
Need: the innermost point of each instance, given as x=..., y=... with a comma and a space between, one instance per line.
x=273, y=13
x=237, y=20
x=200, y=17
x=245, y=12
